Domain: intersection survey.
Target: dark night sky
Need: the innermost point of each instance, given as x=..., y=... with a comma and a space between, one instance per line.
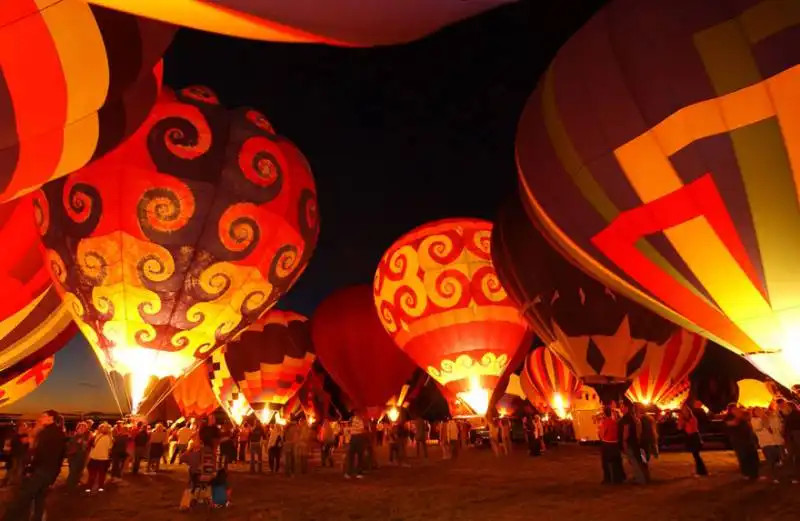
x=396, y=136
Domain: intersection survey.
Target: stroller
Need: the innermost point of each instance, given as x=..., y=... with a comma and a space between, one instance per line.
x=199, y=491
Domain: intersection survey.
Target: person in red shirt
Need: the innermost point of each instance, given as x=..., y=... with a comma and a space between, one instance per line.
x=688, y=423
x=610, y=455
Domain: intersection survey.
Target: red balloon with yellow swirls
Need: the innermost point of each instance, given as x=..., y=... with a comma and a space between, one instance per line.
x=438, y=296
x=181, y=238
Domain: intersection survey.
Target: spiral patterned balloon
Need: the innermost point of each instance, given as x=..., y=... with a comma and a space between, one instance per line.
x=438, y=296
x=172, y=245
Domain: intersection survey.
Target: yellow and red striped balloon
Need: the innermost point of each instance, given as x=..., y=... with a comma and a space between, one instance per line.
x=666, y=367
x=546, y=380
x=75, y=80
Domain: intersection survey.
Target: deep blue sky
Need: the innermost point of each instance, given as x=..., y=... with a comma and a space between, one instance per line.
x=396, y=137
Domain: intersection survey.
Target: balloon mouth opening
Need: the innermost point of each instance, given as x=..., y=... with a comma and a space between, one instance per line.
x=265, y=415
x=477, y=398
x=238, y=410
x=560, y=406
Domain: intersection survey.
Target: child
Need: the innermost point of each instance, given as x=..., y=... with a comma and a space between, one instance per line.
x=220, y=491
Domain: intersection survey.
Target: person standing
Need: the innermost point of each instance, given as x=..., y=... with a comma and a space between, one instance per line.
x=355, y=451
x=688, y=423
x=494, y=436
x=18, y=457
x=244, y=435
x=77, y=452
x=610, y=455
x=46, y=460
x=505, y=436
x=743, y=440
x=791, y=436
x=380, y=430
x=140, y=440
x=420, y=436
x=453, y=433
x=301, y=447
x=649, y=439
x=254, y=440
x=99, y=459
x=274, y=448
x=157, y=444
x=767, y=427
x=328, y=439
x=119, y=452
x=183, y=437
x=290, y=435
x=630, y=429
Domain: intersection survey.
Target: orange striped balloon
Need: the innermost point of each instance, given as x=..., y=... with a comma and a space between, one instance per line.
x=544, y=376
x=66, y=100
x=666, y=367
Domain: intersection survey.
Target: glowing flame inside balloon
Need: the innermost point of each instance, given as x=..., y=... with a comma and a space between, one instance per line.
x=280, y=420
x=310, y=418
x=239, y=409
x=140, y=365
x=393, y=414
x=559, y=405
x=503, y=413
x=265, y=415
x=477, y=397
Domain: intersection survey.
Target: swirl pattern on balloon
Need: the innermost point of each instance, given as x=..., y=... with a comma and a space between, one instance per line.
x=161, y=246
x=438, y=297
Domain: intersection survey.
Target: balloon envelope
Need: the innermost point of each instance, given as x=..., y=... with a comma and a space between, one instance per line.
x=666, y=367
x=68, y=100
x=545, y=377
x=340, y=22
x=661, y=151
x=271, y=360
x=438, y=296
x=356, y=350
x=181, y=238
x=33, y=322
x=603, y=338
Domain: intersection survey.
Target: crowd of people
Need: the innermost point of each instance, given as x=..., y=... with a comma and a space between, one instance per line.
x=631, y=433
x=98, y=453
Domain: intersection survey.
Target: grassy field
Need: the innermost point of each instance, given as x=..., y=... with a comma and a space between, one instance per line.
x=562, y=485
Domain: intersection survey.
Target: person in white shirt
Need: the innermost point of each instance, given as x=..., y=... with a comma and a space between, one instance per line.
x=357, y=447
x=99, y=458
x=767, y=427
x=184, y=436
x=453, y=438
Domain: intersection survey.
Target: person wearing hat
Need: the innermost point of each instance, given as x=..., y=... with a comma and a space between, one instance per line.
x=46, y=461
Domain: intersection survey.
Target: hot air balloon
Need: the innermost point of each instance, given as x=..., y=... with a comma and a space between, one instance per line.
x=602, y=337
x=344, y=22
x=271, y=360
x=438, y=296
x=67, y=100
x=34, y=324
x=661, y=153
x=546, y=377
x=224, y=387
x=356, y=350
x=194, y=395
x=665, y=368
x=677, y=396
x=181, y=238
x=26, y=382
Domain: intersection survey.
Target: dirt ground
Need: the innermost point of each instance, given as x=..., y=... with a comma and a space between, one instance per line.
x=562, y=485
